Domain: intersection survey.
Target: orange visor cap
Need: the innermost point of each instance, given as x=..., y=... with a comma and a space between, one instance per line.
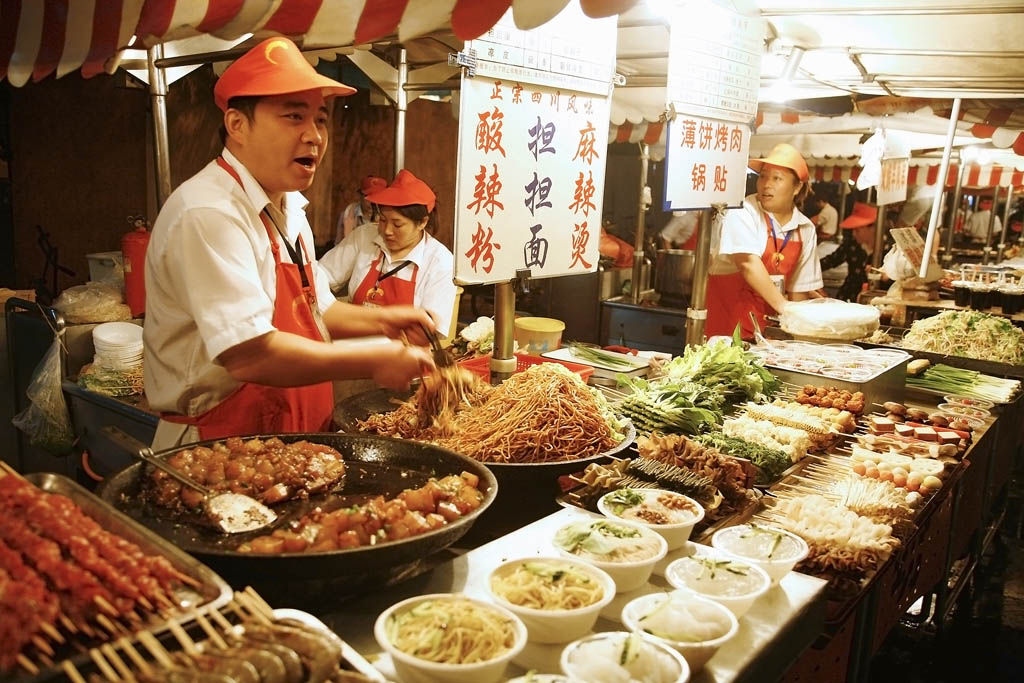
x=274, y=67
x=862, y=215
x=785, y=156
x=404, y=190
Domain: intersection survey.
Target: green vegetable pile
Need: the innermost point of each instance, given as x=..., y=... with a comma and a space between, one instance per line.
x=949, y=380
x=969, y=334
x=770, y=462
x=670, y=405
x=738, y=375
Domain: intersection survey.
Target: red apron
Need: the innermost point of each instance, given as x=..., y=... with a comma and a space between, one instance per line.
x=376, y=290
x=691, y=244
x=260, y=409
x=730, y=299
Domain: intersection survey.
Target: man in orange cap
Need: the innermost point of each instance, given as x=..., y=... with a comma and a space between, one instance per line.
x=239, y=316
x=361, y=211
x=855, y=250
x=766, y=251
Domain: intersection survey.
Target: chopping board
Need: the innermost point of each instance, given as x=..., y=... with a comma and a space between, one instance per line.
x=602, y=369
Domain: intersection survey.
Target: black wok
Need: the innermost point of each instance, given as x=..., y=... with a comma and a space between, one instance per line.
x=374, y=465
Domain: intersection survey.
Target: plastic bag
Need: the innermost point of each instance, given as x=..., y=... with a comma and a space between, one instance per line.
x=829, y=319
x=46, y=421
x=94, y=302
x=896, y=266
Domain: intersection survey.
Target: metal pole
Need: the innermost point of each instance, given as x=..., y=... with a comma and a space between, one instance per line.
x=401, y=105
x=986, y=254
x=696, y=312
x=842, y=200
x=1006, y=222
x=933, y=220
x=161, y=146
x=954, y=210
x=638, y=238
x=876, y=254
x=503, y=361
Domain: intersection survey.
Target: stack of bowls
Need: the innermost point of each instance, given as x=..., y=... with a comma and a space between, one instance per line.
x=118, y=345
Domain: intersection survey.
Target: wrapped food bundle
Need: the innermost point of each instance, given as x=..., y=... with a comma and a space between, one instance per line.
x=829, y=319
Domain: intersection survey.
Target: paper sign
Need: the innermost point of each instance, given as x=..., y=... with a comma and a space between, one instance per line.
x=530, y=181
x=705, y=163
x=892, y=185
x=570, y=52
x=909, y=241
x=714, y=64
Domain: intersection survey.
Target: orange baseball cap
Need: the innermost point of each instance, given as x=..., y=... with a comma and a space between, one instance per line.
x=785, y=156
x=404, y=190
x=862, y=215
x=371, y=184
x=274, y=67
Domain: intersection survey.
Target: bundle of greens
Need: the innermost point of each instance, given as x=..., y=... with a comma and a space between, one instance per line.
x=670, y=405
x=740, y=376
x=770, y=462
x=945, y=379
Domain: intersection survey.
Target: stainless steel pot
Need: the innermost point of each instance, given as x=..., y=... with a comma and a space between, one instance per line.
x=674, y=272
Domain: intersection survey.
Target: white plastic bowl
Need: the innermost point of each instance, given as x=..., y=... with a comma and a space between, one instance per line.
x=739, y=605
x=117, y=334
x=675, y=534
x=627, y=576
x=412, y=669
x=775, y=568
x=542, y=678
x=567, y=660
x=968, y=402
x=697, y=653
x=556, y=626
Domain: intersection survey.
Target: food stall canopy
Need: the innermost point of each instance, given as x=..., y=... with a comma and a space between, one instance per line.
x=39, y=38
x=925, y=171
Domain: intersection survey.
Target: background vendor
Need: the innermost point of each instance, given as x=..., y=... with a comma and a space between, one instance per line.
x=360, y=211
x=855, y=250
x=238, y=316
x=397, y=261
x=766, y=249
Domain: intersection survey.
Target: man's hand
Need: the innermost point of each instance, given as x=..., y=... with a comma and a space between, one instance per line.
x=396, y=320
x=399, y=364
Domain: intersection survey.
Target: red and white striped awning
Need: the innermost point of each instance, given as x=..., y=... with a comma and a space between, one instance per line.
x=922, y=172
x=651, y=133
x=42, y=37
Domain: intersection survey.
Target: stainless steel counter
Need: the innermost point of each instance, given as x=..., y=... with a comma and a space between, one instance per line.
x=779, y=626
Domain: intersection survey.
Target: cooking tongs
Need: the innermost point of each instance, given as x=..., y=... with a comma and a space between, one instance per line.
x=442, y=358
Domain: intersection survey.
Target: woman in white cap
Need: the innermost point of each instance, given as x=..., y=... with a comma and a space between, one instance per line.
x=766, y=251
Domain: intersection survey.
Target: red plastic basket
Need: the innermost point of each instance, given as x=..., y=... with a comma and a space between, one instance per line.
x=481, y=366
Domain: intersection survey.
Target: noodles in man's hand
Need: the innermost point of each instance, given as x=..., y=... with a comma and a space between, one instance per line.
x=452, y=631
x=547, y=585
x=544, y=414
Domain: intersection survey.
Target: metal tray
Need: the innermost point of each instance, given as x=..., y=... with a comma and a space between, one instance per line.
x=212, y=592
x=887, y=385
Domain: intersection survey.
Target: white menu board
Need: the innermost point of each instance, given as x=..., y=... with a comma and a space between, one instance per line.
x=571, y=51
x=714, y=61
x=705, y=163
x=530, y=180
x=892, y=183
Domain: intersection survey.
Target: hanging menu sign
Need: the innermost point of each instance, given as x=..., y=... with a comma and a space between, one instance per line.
x=533, y=131
x=713, y=79
x=892, y=183
x=571, y=52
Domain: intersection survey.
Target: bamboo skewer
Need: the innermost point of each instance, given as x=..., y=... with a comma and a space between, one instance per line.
x=187, y=644
x=259, y=601
x=156, y=649
x=28, y=665
x=222, y=622
x=211, y=633
x=71, y=672
x=118, y=663
x=102, y=665
x=140, y=663
x=42, y=646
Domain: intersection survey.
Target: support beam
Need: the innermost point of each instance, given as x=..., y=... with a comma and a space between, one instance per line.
x=401, y=106
x=503, y=361
x=933, y=219
x=638, y=237
x=1006, y=223
x=986, y=257
x=696, y=312
x=954, y=211
x=161, y=145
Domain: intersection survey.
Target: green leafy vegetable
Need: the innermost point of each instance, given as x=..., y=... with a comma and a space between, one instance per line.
x=739, y=375
x=596, y=355
x=770, y=462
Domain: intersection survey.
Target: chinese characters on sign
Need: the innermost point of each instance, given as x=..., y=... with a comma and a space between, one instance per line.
x=530, y=180
x=892, y=185
x=706, y=162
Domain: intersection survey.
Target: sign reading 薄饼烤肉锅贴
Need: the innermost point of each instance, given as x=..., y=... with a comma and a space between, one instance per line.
x=713, y=81
x=533, y=137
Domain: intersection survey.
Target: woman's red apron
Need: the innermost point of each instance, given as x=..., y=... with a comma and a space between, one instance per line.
x=387, y=291
x=730, y=299
x=260, y=409
x=691, y=243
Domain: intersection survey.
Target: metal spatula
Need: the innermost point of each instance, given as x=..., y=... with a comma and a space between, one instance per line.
x=233, y=513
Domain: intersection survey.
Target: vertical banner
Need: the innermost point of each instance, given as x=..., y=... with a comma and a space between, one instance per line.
x=892, y=185
x=530, y=181
x=533, y=132
x=713, y=80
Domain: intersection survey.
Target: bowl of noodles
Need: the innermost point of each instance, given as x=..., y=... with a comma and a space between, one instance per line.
x=626, y=551
x=695, y=627
x=449, y=638
x=672, y=515
x=618, y=656
x=558, y=599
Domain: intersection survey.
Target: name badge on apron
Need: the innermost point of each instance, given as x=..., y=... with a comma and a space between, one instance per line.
x=780, y=282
